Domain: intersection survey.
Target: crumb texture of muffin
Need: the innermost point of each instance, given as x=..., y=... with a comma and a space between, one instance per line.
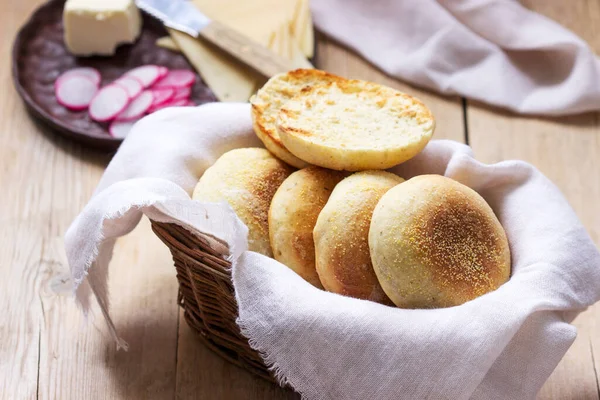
x=272, y=96
x=354, y=125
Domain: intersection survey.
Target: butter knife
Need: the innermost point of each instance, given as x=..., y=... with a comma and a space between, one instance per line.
x=183, y=16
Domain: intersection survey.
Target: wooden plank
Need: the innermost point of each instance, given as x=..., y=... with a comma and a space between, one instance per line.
x=80, y=361
x=22, y=220
x=46, y=349
x=202, y=374
x=50, y=180
x=567, y=150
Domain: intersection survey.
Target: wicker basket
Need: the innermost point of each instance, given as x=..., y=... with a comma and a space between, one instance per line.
x=207, y=296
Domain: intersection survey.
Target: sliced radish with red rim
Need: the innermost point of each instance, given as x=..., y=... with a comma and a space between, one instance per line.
x=120, y=129
x=109, y=102
x=75, y=91
x=88, y=72
x=182, y=93
x=162, y=96
x=137, y=107
x=147, y=74
x=172, y=103
x=177, y=78
x=124, y=101
x=131, y=84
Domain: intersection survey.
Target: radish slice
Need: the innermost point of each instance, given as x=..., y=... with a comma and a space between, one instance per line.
x=182, y=93
x=147, y=74
x=176, y=78
x=175, y=103
x=137, y=107
x=109, y=102
x=75, y=92
x=161, y=96
x=120, y=129
x=163, y=71
x=131, y=84
x=88, y=72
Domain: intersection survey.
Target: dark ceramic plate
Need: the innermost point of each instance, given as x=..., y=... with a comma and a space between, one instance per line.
x=40, y=56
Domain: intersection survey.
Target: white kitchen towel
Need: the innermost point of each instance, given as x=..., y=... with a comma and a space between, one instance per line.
x=503, y=345
x=495, y=51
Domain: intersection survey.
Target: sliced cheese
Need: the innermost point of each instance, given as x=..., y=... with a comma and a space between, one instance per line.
x=298, y=58
x=292, y=41
x=285, y=41
x=168, y=43
x=269, y=22
x=303, y=29
x=299, y=21
x=308, y=37
x=253, y=18
x=273, y=45
x=275, y=41
x=229, y=79
x=286, y=46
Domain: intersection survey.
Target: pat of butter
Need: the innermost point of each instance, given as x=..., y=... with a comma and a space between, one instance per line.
x=97, y=27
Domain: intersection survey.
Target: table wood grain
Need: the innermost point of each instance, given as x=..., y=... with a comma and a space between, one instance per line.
x=49, y=351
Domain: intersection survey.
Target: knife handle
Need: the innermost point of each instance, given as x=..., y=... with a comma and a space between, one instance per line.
x=245, y=49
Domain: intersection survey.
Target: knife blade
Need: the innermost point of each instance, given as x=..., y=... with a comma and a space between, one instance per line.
x=185, y=17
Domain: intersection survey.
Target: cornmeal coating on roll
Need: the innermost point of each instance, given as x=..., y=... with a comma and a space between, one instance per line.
x=293, y=215
x=341, y=235
x=435, y=242
x=354, y=125
x=247, y=179
x=272, y=96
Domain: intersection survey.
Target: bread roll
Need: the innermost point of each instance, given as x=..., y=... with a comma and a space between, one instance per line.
x=436, y=243
x=341, y=235
x=269, y=99
x=354, y=125
x=246, y=179
x=292, y=217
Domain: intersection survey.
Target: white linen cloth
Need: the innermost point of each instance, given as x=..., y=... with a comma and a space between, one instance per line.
x=495, y=51
x=502, y=345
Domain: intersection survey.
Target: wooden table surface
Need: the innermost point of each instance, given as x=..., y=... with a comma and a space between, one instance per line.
x=46, y=349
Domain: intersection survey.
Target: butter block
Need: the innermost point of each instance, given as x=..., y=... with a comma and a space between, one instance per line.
x=97, y=27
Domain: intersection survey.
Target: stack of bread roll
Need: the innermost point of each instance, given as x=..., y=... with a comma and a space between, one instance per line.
x=318, y=198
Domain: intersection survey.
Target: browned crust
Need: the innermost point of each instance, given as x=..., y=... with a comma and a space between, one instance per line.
x=461, y=242
x=310, y=199
x=299, y=132
x=259, y=126
x=263, y=186
x=351, y=266
x=257, y=172
x=344, y=256
x=308, y=77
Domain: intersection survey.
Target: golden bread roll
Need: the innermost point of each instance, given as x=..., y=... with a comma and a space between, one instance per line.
x=436, y=243
x=269, y=99
x=292, y=217
x=247, y=179
x=354, y=125
x=341, y=235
